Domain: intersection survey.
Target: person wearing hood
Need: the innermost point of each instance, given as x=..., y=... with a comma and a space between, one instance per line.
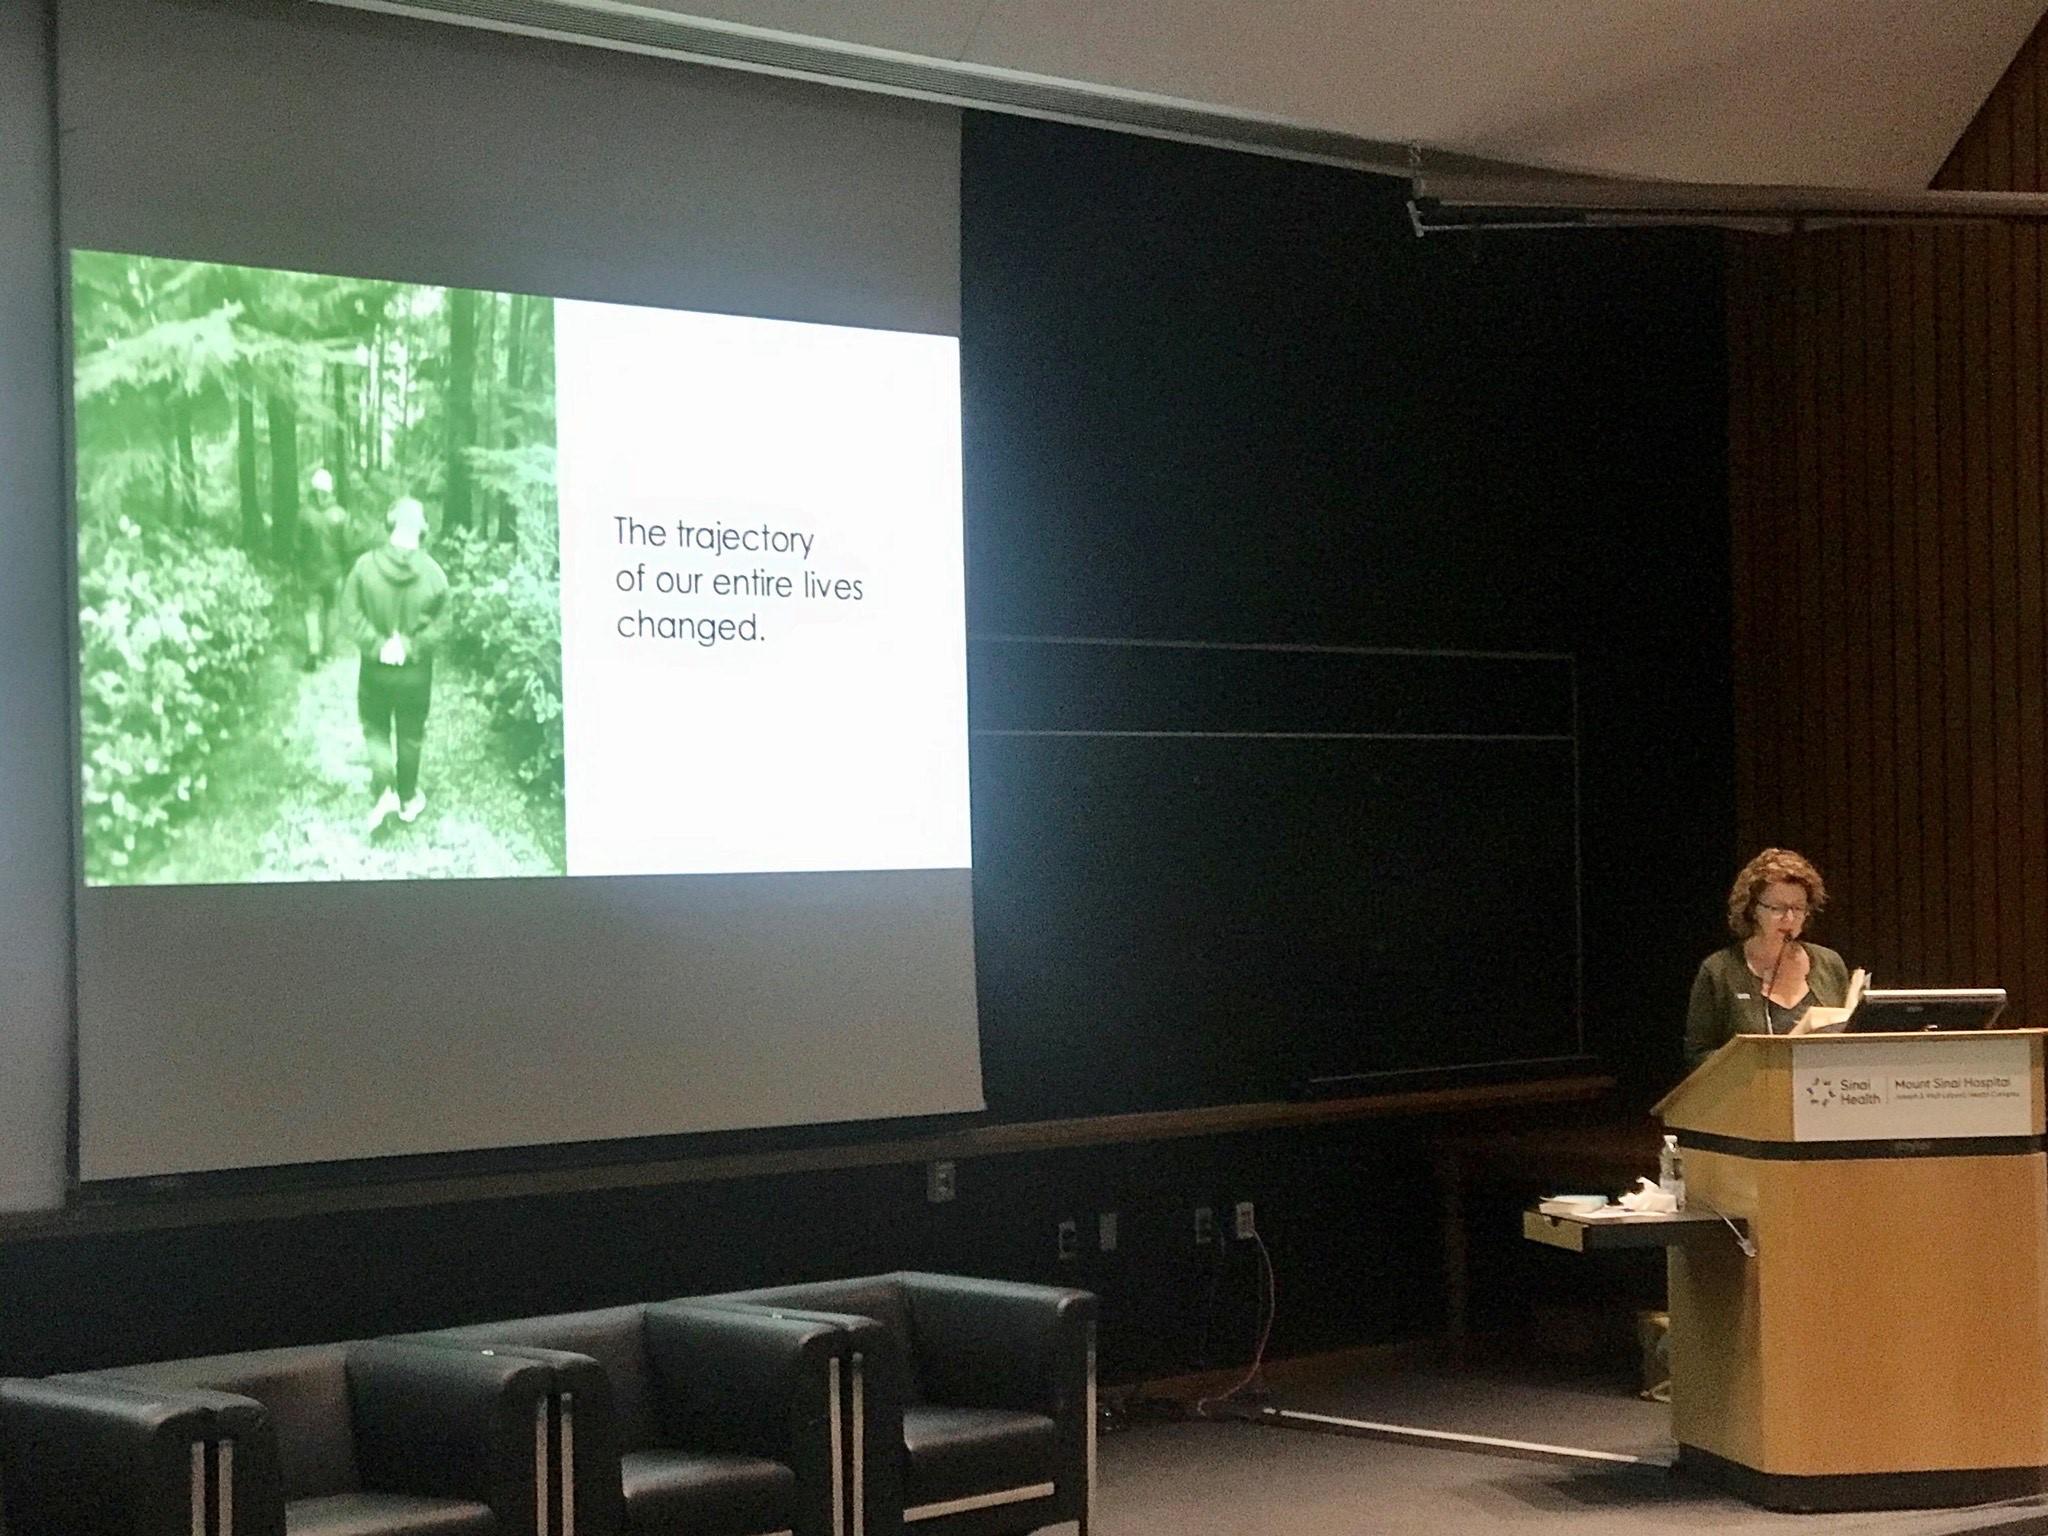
x=326, y=547
x=394, y=606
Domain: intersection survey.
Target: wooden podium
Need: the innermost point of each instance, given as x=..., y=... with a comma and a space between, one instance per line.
x=1886, y=1347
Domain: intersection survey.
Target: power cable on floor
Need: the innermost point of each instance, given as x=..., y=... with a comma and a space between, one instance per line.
x=1269, y=1307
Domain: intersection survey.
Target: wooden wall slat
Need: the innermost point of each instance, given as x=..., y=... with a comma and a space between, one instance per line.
x=2001, y=409
x=1879, y=728
x=2030, y=985
x=1778, y=568
x=1888, y=416
x=1973, y=738
x=1911, y=955
x=1944, y=666
x=1801, y=740
x=1853, y=858
x=1746, y=484
x=1825, y=762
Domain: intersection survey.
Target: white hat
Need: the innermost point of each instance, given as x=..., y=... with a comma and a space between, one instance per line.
x=408, y=520
x=323, y=481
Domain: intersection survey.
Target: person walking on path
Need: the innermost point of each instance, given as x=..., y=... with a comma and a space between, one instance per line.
x=327, y=544
x=394, y=608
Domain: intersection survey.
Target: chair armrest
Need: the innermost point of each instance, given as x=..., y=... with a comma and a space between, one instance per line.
x=757, y=1384
x=751, y=1382
x=449, y=1422
x=998, y=1343
x=80, y=1457
x=871, y=1384
x=594, y=1440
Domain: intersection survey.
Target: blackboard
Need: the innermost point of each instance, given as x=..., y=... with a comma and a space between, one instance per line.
x=1216, y=872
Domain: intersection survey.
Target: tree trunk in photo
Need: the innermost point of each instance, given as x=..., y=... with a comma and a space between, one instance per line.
x=515, y=411
x=401, y=435
x=515, y=359
x=461, y=405
x=245, y=468
x=188, y=472
x=338, y=431
x=487, y=411
x=283, y=414
x=540, y=352
x=377, y=402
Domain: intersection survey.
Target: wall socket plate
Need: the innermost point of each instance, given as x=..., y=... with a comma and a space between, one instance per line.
x=1205, y=1224
x=1069, y=1239
x=1105, y=1231
x=1243, y=1222
x=938, y=1181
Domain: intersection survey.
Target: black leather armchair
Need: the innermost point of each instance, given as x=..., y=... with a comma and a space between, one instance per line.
x=362, y=1439
x=973, y=1400
x=79, y=1459
x=688, y=1420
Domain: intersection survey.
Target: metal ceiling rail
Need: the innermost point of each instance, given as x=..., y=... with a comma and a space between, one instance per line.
x=651, y=30
x=1446, y=201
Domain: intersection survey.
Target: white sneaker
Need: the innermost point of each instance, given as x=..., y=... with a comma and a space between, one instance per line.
x=410, y=811
x=386, y=804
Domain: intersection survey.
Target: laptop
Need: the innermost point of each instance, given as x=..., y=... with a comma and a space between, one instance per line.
x=1905, y=1010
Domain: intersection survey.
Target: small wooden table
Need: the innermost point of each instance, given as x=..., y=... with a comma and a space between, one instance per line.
x=1604, y=1156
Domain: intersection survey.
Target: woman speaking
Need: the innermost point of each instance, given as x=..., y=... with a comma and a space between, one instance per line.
x=1764, y=983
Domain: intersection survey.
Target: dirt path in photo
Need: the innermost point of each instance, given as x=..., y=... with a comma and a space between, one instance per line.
x=288, y=793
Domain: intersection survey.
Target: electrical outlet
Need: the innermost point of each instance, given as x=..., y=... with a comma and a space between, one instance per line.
x=1205, y=1224
x=1245, y=1227
x=938, y=1180
x=1070, y=1239
x=1105, y=1231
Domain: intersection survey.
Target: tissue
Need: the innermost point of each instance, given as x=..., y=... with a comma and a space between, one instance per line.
x=1648, y=1199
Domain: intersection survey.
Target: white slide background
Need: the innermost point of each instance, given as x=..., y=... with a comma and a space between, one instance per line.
x=838, y=739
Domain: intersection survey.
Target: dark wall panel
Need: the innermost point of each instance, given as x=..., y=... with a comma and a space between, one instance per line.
x=1327, y=1201
x=1228, y=402
x=1214, y=921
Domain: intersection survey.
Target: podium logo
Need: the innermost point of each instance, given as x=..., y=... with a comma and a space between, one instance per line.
x=1922, y=1090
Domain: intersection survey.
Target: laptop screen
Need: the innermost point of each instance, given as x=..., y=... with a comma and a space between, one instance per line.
x=1906, y=1010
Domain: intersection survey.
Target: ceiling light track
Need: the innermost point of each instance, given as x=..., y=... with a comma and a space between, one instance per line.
x=1444, y=202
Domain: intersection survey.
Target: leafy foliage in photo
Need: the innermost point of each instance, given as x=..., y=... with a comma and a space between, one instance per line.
x=168, y=631
x=504, y=623
x=206, y=398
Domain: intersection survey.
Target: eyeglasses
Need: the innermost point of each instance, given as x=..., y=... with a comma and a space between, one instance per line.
x=1772, y=909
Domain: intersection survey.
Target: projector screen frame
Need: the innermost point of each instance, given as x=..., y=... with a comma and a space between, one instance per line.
x=515, y=1155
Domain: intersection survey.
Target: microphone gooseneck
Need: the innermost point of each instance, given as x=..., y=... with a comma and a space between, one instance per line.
x=1772, y=981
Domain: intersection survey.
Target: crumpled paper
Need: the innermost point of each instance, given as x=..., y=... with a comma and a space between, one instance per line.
x=1649, y=1199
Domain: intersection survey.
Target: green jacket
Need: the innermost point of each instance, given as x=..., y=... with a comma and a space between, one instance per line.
x=327, y=542
x=396, y=591
x=1727, y=1000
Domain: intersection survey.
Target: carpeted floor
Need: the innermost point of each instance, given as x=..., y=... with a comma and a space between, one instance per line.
x=1227, y=1478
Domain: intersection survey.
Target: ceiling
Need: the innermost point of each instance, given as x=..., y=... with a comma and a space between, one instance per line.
x=1864, y=93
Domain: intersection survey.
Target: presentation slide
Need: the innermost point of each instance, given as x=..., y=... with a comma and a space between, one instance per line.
x=387, y=582
x=508, y=721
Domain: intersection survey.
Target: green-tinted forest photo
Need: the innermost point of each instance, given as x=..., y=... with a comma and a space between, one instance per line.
x=319, y=632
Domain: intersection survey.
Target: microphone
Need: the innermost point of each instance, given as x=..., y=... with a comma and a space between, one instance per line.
x=1771, y=981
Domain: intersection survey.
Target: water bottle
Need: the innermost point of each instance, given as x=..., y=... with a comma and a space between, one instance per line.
x=1671, y=1170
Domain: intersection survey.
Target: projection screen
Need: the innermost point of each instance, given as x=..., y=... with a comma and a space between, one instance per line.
x=521, y=635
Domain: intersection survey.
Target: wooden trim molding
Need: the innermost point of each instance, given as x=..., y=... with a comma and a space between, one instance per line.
x=145, y=1212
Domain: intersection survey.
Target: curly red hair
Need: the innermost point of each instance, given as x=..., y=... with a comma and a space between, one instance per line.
x=1768, y=868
